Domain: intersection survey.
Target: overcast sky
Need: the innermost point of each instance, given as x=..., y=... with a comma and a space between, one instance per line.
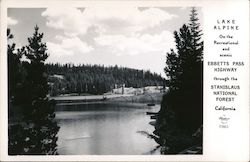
x=132, y=37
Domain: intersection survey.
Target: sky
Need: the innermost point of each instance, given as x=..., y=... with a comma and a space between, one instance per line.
x=135, y=37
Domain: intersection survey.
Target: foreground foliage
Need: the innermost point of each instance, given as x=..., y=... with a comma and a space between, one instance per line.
x=32, y=128
x=182, y=106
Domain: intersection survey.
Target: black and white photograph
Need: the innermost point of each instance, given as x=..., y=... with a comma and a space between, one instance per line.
x=105, y=80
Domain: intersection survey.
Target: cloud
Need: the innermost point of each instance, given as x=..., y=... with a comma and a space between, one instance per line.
x=115, y=35
x=140, y=44
x=11, y=21
x=125, y=20
x=68, y=46
x=67, y=19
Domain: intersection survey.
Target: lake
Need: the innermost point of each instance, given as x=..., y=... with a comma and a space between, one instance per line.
x=105, y=129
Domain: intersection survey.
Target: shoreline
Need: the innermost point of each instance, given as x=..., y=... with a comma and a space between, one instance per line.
x=114, y=98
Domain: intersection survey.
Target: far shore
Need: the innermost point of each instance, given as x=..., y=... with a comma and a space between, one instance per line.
x=142, y=98
x=88, y=97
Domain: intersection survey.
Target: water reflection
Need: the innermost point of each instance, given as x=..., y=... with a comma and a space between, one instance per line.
x=104, y=129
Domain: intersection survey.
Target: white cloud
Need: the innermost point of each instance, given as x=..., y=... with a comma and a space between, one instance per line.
x=139, y=44
x=67, y=19
x=11, y=21
x=113, y=31
x=68, y=46
x=74, y=21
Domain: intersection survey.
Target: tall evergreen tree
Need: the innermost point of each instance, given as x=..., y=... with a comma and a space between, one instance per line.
x=189, y=75
x=172, y=70
x=189, y=52
x=41, y=112
x=181, y=108
x=37, y=133
x=15, y=70
x=196, y=33
x=183, y=45
x=37, y=53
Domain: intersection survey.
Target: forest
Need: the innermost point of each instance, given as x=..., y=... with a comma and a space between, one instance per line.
x=96, y=79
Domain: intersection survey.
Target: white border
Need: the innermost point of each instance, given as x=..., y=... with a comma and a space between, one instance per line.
x=210, y=7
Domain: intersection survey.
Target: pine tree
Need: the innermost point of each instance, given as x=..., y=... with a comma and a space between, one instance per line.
x=181, y=108
x=15, y=80
x=36, y=50
x=172, y=70
x=189, y=75
x=186, y=59
x=197, y=50
x=35, y=132
x=196, y=33
x=37, y=77
x=189, y=52
x=39, y=112
x=15, y=70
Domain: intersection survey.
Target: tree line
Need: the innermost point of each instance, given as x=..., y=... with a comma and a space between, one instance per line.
x=97, y=79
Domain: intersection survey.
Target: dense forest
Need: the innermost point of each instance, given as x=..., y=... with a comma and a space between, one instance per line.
x=179, y=124
x=96, y=79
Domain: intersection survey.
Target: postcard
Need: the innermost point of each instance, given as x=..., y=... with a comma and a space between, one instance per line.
x=124, y=80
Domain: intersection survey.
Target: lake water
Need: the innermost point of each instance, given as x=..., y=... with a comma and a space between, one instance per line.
x=105, y=129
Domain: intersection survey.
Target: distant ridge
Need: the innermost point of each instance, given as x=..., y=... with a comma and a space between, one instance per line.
x=97, y=79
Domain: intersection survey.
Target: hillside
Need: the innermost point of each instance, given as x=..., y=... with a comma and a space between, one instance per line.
x=96, y=79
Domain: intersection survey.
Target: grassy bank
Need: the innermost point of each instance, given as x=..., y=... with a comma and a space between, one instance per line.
x=143, y=98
